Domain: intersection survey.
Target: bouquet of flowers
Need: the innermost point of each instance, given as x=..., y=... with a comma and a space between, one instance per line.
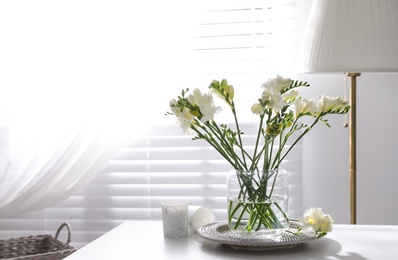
x=280, y=109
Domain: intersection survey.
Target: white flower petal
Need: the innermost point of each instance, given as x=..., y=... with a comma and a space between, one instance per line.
x=257, y=109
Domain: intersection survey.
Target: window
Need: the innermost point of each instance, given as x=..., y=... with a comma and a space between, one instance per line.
x=243, y=41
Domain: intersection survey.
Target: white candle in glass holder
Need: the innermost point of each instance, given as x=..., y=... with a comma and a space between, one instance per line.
x=175, y=219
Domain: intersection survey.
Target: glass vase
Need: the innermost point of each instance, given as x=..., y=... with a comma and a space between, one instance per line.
x=258, y=202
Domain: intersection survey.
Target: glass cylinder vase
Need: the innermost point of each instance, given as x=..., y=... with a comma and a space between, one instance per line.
x=258, y=202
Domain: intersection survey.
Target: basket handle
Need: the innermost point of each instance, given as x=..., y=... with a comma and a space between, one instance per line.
x=69, y=231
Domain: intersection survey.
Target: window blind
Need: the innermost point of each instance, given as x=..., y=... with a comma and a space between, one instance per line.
x=244, y=41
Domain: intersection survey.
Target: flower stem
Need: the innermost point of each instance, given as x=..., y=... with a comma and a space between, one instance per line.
x=301, y=136
x=239, y=134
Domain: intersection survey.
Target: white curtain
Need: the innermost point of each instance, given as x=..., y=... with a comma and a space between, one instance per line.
x=45, y=159
x=71, y=95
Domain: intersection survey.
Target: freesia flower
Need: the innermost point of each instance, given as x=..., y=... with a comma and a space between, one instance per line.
x=174, y=106
x=333, y=103
x=273, y=100
x=290, y=95
x=223, y=90
x=326, y=105
x=205, y=103
x=184, y=117
x=302, y=106
x=257, y=109
x=277, y=84
x=276, y=93
x=315, y=219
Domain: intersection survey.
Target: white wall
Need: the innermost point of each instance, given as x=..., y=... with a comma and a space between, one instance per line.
x=326, y=150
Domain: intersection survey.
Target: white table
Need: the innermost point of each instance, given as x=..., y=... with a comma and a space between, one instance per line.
x=144, y=240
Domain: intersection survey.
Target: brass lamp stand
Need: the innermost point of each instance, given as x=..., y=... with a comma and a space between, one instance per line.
x=353, y=156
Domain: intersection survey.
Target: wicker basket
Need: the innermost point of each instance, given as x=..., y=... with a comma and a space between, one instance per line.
x=41, y=247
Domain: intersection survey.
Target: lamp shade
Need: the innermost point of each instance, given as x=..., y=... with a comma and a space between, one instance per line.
x=351, y=36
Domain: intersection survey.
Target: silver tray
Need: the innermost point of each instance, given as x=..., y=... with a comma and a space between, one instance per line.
x=220, y=232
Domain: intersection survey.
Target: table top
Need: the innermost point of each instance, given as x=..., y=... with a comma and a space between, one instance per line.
x=144, y=240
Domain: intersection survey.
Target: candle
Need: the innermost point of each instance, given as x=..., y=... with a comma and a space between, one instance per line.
x=200, y=216
x=175, y=219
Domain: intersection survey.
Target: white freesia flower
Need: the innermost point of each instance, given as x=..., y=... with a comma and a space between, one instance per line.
x=230, y=90
x=272, y=93
x=329, y=104
x=185, y=118
x=257, y=109
x=315, y=219
x=224, y=90
x=290, y=95
x=205, y=103
x=303, y=106
x=174, y=107
x=333, y=103
x=318, y=106
x=277, y=84
x=273, y=99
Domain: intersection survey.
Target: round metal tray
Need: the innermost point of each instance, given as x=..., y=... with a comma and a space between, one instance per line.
x=220, y=232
